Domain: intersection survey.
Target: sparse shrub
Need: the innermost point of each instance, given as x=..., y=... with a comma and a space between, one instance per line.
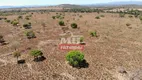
x=73, y=18
x=5, y=18
x=27, y=26
x=58, y=16
x=68, y=20
x=37, y=54
x=130, y=16
x=74, y=25
x=61, y=17
x=97, y=17
x=30, y=15
x=136, y=15
x=20, y=17
x=61, y=23
x=140, y=17
x=27, y=18
x=29, y=23
x=64, y=29
x=1, y=39
x=15, y=45
x=121, y=15
x=54, y=17
x=17, y=55
x=81, y=39
x=80, y=16
x=93, y=34
x=14, y=23
x=128, y=24
x=75, y=58
x=8, y=21
x=30, y=34
x=102, y=16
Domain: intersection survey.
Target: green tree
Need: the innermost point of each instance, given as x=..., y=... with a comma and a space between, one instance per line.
x=75, y=58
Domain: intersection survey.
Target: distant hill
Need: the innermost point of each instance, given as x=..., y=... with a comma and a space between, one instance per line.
x=71, y=6
x=6, y=6
x=126, y=3
x=110, y=4
x=113, y=4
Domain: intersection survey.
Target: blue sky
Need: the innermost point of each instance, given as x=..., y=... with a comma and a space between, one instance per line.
x=53, y=2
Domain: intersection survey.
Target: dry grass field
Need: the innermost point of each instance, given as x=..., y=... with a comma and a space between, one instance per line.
x=116, y=54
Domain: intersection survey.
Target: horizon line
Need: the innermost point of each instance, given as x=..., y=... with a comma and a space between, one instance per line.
x=71, y=3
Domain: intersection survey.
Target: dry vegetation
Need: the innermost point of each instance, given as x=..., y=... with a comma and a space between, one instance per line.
x=114, y=54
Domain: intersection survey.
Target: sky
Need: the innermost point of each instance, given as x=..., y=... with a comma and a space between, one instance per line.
x=54, y=2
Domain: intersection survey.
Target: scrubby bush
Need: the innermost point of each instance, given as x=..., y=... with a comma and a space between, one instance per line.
x=30, y=15
x=121, y=15
x=136, y=15
x=64, y=29
x=61, y=17
x=8, y=21
x=102, y=16
x=61, y=23
x=5, y=18
x=54, y=17
x=29, y=23
x=14, y=23
x=80, y=16
x=30, y=34
x=74, y=25
x=81, y=39
x=17, y=55
x=130, y=16
x=93, y=34
x=58, y=16
x=75, y=58
x=1, y=39
x=27, y=26
x=20, y=17
x=97, y=17
x=27, y=18
x=128, y=24
x=140, y=17
x=37, y=54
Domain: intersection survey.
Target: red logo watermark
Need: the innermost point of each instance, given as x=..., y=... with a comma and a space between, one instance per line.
x=72, y=42
x=71, y=47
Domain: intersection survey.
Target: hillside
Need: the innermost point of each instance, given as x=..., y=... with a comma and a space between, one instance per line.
x=110, y=4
